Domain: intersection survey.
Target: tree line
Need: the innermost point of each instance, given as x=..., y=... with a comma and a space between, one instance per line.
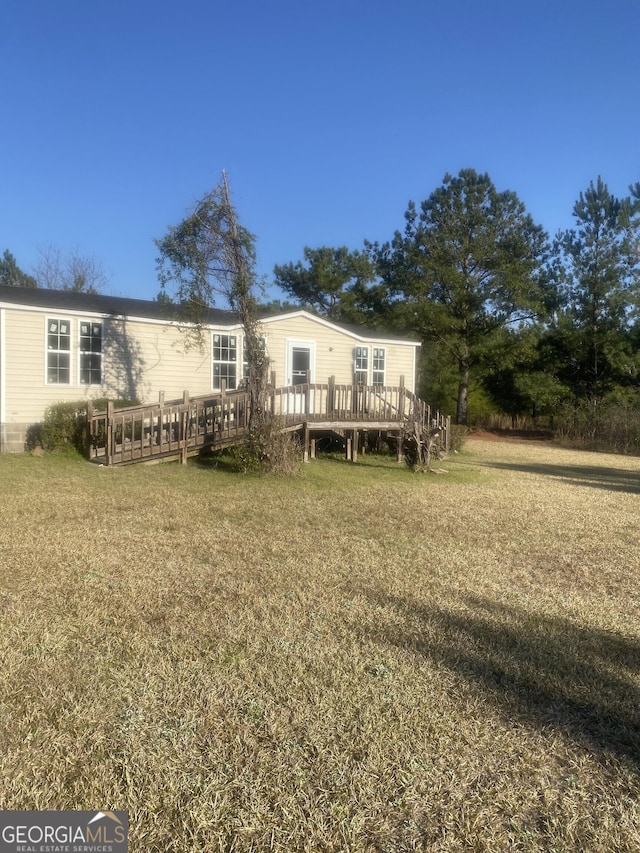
x=511, y=320
x=57, y=270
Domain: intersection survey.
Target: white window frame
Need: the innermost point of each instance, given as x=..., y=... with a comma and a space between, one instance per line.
x=359, y=353
x=91, y=352
x=227, y=362
x=375, y=354
x=51, y=351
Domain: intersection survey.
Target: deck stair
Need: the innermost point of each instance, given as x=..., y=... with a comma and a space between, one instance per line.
x=180, y=428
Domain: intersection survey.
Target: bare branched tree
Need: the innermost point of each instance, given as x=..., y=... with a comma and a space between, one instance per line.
x=72, y=270
x=210, y=254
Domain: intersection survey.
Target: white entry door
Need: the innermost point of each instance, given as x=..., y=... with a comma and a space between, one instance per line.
x=300, y=365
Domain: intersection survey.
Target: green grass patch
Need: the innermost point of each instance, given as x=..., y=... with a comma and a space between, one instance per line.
x=358, y=659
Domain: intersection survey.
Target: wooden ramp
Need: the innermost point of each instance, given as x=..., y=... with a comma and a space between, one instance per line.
x=180, y=428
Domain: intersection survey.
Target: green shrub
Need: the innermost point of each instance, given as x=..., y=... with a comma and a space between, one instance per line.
x=65, y=424
x=33, y=439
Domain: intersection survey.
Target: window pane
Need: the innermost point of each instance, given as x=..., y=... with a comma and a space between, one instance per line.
x=90, y=372
x=58, y=351
x=361, y=365
x=91, y=353
x=362, y=358
x=225, y=353
x=58, y=368
x=58, y=335
x=300, y=359
x=64, y=375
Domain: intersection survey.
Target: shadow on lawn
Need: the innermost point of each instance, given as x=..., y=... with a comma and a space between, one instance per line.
x=544, y=670
x=611, y=479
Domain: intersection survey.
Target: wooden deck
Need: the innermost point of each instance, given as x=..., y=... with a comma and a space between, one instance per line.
x=180, y=428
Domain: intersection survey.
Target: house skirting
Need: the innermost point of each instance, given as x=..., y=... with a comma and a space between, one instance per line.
x=13, y=437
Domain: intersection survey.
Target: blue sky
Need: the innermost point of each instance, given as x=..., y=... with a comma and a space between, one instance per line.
x=328, y=117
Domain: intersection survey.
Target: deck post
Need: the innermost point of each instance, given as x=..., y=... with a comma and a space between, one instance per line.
x=331, y=396
x=400, y=444
x=89, y=434
x=348, y=449
x=306, y=442
x=354, y=452
x=184, y=423
x=313, y=448
x=160, y=421
x=223, y=403
x=401, y=412
x=307, y=393
x=109, y=447
x=272, y=394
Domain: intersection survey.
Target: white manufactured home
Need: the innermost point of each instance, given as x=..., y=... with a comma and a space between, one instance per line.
x=58, y=346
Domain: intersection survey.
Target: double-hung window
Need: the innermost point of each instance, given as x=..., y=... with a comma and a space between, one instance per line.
x=58, y=351
x=90, y=353
x=377, y=376
x=361, y=366
x=225, y=361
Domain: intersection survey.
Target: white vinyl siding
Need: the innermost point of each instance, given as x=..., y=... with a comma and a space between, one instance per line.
x=334, y=351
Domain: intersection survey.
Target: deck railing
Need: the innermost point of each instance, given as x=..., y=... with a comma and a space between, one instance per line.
x=314, y=401
x=180, y=427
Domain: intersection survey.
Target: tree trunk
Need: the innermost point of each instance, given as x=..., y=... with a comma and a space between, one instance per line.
x=241, y=299
x=463, y=394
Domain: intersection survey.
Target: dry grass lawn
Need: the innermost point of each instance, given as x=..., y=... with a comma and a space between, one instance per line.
x=363, y=659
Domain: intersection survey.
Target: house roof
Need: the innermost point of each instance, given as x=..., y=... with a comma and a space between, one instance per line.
x=119, y=306
x=99, y=303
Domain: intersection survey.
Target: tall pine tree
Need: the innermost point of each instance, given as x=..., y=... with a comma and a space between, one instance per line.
x=465, y=267
x=596, y=270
